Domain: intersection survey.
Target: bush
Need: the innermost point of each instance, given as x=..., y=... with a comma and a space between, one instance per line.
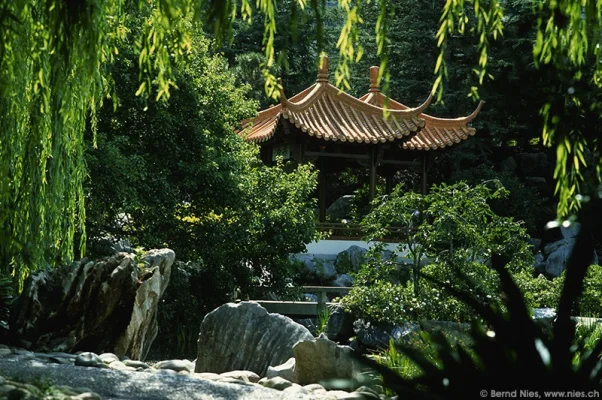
x=385, y=301
x=539, y=292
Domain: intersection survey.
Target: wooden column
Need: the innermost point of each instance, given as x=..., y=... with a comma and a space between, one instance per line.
x=389, y=178
x=423, y=162
x=322, y=195
x=372, y=173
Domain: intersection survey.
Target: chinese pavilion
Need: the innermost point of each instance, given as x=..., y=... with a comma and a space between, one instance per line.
x=335, y=130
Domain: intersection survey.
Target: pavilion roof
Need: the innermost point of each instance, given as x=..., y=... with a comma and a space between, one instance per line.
x=327, y=113
x=437, y=133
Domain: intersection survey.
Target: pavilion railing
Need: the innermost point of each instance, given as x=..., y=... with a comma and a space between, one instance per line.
x=343, y=231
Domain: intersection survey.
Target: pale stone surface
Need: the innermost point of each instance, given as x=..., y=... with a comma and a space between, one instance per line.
x=108, y=358
x=121, y=366
x=132, y=385
x=101, y=306
x=210, y=376
x=245, y=336
x=285, y=370
x=321, y=359
x=277, y=383
x=351, y=259
x=143, y=328
x=315, y=388
x=343, y=280
x=247, y=376
x=176, y=365
x=88, y=359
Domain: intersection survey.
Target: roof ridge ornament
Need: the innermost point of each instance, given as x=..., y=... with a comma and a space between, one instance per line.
x=283, y=98
x=374, y=86
x=323, y=69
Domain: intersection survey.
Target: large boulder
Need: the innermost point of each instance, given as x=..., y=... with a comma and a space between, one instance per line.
x=245, y=336
x=558, y=254
x=343, y=280
x=317, y=266
x=378, y=335
x=351, y=259
x=340, y=209
x=340, y=325
x=100, y=306
x=320, y=360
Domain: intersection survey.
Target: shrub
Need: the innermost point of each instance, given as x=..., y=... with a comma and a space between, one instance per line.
x=517, y=352
x=384, y=301
x=539, y=292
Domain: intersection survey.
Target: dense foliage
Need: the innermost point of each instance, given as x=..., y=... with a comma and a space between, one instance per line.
x=512, y=351
x=174, y=174
x=454, y=228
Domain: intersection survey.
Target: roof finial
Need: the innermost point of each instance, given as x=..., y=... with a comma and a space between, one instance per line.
x=281, y=90
x=374, y=80
x=323, y=69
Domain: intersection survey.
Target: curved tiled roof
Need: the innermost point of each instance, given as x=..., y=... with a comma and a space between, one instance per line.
x=325, y=112
x=437, y=132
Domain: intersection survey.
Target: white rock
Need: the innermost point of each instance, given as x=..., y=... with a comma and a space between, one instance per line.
x=176, y=365
x=285, y=370
x=247, y=376
x=277, y=383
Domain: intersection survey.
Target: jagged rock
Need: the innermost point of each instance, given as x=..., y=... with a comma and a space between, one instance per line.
x=277, y=383
x=351, y=259
x=558, y=254
x=108, y=358
x=298, y=390
x=176, y=365
x=340, y=209
x=309, y=323
x=310, y=297
x=102, y=306
x=120, y=366
x=321, y=359
x=317, y=266
x=247, y=376
x=122, y=246
x=378, y=336
x=340, y=325
x=244, y=336
x=136, y=364
x=544, y=316
x=285, y=370
x=343, y=280
x=571, y=231
x=88, y=359
x=554, y=246
x=315, y=388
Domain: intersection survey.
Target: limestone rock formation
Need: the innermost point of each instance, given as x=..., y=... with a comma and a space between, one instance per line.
x=319, y=360
x=245, y=336
x=340, y=325
x=101, y=306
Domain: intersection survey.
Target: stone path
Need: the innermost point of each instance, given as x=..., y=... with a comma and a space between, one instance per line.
x=89, y=376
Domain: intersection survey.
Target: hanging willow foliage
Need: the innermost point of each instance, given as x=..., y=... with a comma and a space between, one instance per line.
x=53, y=59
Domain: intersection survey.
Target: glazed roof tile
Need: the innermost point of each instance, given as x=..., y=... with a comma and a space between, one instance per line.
x=325, y=112
x=437, y=132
